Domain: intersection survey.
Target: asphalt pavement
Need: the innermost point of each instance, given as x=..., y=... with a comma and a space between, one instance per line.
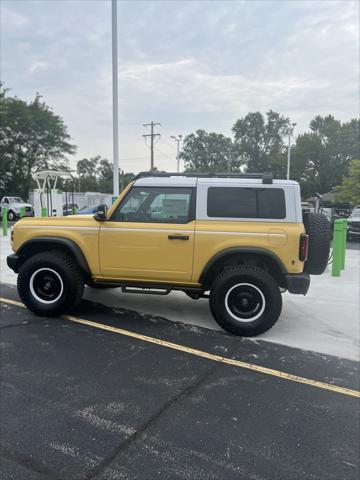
x=126, y=396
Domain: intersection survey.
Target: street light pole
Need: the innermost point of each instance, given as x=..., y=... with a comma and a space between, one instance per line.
x=115, y=99
x=290, y=132
x=177, y=140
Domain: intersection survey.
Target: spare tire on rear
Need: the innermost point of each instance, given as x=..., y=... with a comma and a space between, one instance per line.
x=318, y=228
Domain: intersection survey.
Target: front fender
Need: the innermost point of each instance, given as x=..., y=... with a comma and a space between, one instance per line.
x=38, y=244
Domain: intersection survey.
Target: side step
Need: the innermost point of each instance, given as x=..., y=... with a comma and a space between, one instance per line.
x=147, y=290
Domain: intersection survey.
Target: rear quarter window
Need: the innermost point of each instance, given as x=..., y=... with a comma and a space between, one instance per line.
x=241, y=202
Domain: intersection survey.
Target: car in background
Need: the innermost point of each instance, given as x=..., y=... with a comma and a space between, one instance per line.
x=13, y=206
x=87, y=210
x=353, y=223
x=70, y=208
x=328, y=211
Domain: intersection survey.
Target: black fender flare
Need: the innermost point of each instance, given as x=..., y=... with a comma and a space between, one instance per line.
x=34, y=244
x=205, y=277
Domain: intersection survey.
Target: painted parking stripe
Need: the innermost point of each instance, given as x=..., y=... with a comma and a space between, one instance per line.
x=203, y=354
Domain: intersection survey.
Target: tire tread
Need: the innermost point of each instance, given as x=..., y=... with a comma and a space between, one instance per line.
x=259, y=275
x=73, y=272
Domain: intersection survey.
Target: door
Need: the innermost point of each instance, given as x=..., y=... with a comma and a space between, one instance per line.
x=150, y=236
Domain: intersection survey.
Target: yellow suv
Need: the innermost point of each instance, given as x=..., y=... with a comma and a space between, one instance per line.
x=239, y=240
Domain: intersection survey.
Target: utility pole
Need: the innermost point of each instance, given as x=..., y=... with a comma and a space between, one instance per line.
x=177, y=140
x=290, y=132
x=115, y=99
x=152, y=135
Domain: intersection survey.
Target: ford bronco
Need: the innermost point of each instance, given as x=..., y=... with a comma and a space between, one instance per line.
x=239, y=240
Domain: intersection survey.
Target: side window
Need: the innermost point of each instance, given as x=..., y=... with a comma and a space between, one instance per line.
x=231, y=202
x=271, y=203
x=155, y=205
x=241, y=202
x=6, y=200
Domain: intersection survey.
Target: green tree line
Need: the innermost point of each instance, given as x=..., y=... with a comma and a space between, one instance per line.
x=320, y=158
x=33, y=137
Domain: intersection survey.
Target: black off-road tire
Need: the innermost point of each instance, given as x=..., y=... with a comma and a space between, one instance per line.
x=318, y=228
x=239, y=281
x=59, y=266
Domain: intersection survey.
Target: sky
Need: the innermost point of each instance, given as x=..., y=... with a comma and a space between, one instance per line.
x=186, y=64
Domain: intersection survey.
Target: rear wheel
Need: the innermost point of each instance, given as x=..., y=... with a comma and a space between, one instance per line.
x=245, y=300
x=50, y=283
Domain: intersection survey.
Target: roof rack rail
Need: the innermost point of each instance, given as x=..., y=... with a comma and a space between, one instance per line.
x=266, y=177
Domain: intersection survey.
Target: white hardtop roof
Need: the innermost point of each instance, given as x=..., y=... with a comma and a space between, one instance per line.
x=166, y=182
x=193, y=181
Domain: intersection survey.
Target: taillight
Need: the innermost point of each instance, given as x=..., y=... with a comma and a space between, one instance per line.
x=304, y=245
x=12, y=235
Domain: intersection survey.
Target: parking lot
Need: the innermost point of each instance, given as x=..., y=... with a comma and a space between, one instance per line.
x=118, y=391
x=79, y=401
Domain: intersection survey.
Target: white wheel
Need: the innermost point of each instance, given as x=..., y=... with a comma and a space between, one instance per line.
x=245, y=302
x=46, y=285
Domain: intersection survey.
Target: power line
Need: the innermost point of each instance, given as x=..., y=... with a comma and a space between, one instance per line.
x=168, y=144
x=167, y=132
x=152, y=135
x=169, y=156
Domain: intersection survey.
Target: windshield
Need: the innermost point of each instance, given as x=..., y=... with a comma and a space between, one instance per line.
x=16, y=200
x=355, y=213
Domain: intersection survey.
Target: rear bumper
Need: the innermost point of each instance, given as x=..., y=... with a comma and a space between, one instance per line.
x=298, y=283
x=13, y=262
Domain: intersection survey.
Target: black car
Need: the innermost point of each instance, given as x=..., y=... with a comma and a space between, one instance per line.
x=354, y=224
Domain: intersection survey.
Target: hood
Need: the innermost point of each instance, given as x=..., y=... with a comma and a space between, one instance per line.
x=19, y=205
x=76, y=220
x=80, y=215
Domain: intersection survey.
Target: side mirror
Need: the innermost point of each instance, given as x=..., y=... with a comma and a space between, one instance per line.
x=100, y=214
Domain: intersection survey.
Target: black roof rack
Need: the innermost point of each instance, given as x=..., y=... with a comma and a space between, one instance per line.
x=266, y=177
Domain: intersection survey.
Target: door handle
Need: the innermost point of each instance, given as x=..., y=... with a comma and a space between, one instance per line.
x=178, y=237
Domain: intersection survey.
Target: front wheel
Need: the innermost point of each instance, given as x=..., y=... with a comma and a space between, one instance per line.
x=11, y=216
x=245, y=300
x=50, y=283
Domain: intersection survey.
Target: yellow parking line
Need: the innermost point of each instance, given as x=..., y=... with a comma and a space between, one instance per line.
x=201, y=353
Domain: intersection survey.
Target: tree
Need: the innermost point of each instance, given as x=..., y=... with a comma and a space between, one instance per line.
x=32, y=137
x=349, y=190
x=321, y=157
x=208, y=152
x=96, y=175
x=87, y=172
x=259, y=142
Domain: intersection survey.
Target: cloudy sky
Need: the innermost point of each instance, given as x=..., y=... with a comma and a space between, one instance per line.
x=187, y=64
